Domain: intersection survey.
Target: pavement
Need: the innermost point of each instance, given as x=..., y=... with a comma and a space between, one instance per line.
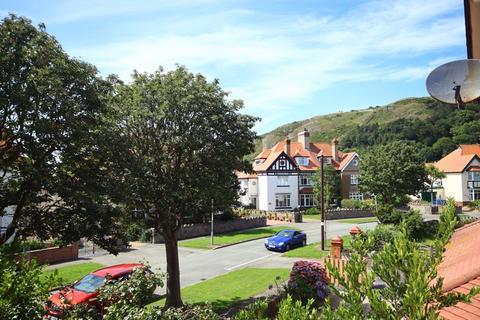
x=197, y=265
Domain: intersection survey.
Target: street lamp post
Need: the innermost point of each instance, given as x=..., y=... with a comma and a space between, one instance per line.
x=211, y=228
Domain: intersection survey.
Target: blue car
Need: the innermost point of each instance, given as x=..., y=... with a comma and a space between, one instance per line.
x=285, y=240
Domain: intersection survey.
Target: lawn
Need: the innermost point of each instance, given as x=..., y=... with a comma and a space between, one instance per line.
x=313, y=251
x=358, y=220
x=228, y=289
x=353, y=221
x=231, y=238
x=73, y=272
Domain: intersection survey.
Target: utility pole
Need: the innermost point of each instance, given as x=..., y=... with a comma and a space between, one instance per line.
x=211, y=228
x=322, y=199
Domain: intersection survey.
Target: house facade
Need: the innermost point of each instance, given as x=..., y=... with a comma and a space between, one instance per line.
x=282, y=178
x=462, y=171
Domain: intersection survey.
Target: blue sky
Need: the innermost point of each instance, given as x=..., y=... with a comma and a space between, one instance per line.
x=288, y=60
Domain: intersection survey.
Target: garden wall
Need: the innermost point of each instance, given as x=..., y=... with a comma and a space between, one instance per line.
x=349, y=213
x=424, y=209
x=203, y=229
x=54, y=254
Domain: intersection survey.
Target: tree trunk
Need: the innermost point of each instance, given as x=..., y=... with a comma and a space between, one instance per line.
x=173, y=298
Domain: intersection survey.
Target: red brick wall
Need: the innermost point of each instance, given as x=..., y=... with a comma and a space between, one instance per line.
x=55, y=254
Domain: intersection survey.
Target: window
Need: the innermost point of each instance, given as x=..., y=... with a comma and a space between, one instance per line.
x=306, y=200
x=356, y=195
x=327, y=160
x=282, y=163
x=355, y=162
x=282, y=200
x=282, y=181
x=474, y=194
x=305, y=180
x=474, y=176
x=302, y=161
x=259, y=161
x=354, y=179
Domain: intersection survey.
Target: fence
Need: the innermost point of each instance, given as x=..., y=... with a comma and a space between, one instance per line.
x=339, y=264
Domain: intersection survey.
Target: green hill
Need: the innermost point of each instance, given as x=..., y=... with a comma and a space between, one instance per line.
x=422, y=120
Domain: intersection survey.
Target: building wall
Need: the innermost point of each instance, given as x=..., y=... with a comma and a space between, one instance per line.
x=268, y=187
x=453, y=185
x=345, y=186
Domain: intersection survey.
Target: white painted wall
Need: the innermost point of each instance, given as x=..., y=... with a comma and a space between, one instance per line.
x=263, y=192
x=455, y=186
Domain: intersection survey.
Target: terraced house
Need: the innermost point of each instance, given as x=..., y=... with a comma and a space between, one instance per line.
x=282, y=177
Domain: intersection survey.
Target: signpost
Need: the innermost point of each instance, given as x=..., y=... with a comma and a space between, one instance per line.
x=322, y=201
x=211, y=228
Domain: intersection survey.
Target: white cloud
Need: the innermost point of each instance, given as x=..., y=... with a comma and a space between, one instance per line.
x=277, y=59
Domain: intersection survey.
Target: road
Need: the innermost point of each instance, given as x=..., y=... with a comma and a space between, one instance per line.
x=197, y=265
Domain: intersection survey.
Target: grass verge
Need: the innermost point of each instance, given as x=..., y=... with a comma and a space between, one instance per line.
x=228, y=289
x=69, y=274
x=231, y=238
x=313, y=250
x=359, y=220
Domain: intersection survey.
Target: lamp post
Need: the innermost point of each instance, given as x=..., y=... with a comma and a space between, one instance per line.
x=211, y=228
x=322, y=201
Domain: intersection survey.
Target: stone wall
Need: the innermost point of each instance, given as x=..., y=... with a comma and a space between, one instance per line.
x=348, y=214
x=423, y=208
x=203, y=229
x=54, y=254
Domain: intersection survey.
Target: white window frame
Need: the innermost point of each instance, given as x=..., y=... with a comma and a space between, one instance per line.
x=302, y=161
x=474, y=194
x=307, y=200
x=282, y=181
x=356, y=196
x=282, y=200
x=354, y=179
x=308, y=178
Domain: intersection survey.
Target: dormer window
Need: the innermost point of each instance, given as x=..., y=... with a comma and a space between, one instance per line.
x=302, y=161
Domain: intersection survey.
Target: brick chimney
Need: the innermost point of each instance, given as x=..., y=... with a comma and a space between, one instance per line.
x=304, y=138
x=334, y=149
x=287, y=146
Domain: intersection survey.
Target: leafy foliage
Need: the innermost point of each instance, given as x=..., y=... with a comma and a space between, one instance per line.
x=392, y=171
x=308, y=280
x=50, y=111
x=22, y=291
x=312, y=211
x=182, y=140
x=412, y=290
x=357, y=204
x=255, y=311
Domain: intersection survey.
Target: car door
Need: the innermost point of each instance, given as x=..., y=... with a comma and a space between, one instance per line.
x=297, y=238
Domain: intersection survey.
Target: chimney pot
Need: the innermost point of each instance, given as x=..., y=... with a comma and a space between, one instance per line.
x=287, y=146
x=334, y=149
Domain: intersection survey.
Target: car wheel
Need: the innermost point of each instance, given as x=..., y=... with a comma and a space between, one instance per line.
x=304, y=243
x=287, y=247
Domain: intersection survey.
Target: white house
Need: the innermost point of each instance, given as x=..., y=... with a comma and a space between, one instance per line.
x=282, y=178
x=462, y=171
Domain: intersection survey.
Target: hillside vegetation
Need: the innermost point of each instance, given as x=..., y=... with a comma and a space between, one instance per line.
x=436, y=127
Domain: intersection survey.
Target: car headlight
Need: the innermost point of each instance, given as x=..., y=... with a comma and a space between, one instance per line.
x=281, y=243
x=266, y=241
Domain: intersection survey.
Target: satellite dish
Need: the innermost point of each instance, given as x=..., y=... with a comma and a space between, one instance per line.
x=456, y=82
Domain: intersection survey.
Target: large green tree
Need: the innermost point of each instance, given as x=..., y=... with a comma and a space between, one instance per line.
x=51, y=174
x=392, y=171
x=433, y=175
x=182, y=141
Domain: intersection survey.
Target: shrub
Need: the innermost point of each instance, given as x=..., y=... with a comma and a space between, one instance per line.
x=308, y=280
x=463, y=220
x=382, y=234
x=387, y=214
x=414, y=224
x=475, y=205
x=350, y=203
x=290, y=309
x=133, y=231
x=312, y=211
x=146, y=236
x=255, y=311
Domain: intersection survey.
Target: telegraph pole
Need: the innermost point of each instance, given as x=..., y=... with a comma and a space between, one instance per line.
x=322, y=201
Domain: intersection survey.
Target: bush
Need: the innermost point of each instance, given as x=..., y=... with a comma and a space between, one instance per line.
x=312, y=211
x=255, y=311
x=382, y=234
x=308, y=280
x=146, y=236
x=387, y=214
x=414, y=224
x=475, y=205
x=357, y=204
x=290, y=309
x=134, y=231
x=463, y=220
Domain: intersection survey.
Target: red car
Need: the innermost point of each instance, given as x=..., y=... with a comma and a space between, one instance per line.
x=86, y=289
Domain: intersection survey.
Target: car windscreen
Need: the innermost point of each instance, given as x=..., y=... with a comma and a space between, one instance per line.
x=285, y=233
x=90, y=283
